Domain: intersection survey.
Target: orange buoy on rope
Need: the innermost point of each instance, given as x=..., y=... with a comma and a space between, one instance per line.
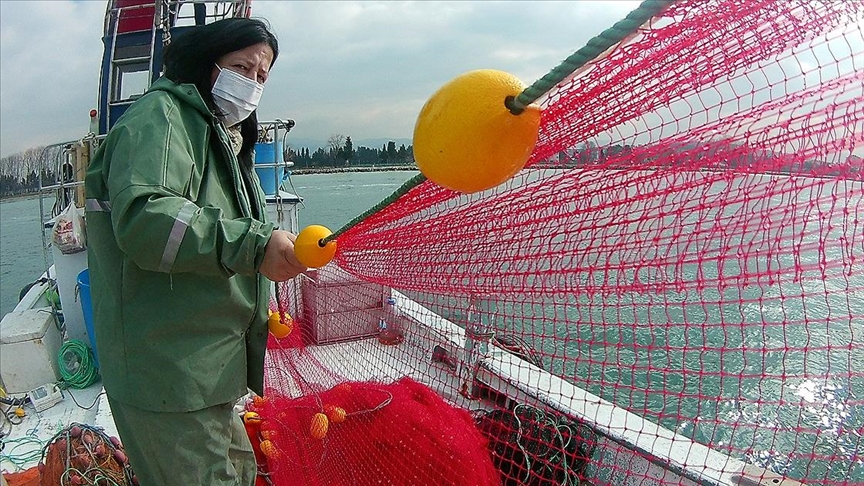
x=318, y=427
x=335, y=414
x=269, y=449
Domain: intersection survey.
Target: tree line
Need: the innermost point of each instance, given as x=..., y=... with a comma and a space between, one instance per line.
x=715, y=156
x=27, y=171
x=340, y=152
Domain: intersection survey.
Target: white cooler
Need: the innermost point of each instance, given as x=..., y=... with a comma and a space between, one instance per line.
x=29, y=344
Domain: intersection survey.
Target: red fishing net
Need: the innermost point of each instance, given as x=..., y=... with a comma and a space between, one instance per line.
x=671, y=292
x=399, y=433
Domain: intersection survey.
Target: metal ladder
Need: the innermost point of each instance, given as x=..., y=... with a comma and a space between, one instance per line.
x=167, y=14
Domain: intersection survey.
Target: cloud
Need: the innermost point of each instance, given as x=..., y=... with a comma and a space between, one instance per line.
x=49, y=71
x=362, y=69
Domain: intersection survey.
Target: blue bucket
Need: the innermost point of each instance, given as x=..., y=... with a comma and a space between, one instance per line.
x=87, y=308
x=271, y=176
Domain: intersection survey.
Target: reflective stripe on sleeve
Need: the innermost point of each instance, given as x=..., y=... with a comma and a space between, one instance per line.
x=172, y=247
x=97, y=206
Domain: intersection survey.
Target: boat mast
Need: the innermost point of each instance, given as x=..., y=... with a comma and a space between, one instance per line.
x=135, y=34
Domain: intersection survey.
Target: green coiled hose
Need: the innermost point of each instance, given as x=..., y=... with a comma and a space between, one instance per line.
x=77, y=365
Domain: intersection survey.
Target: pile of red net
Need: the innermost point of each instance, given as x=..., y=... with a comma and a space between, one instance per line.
x=397, y=434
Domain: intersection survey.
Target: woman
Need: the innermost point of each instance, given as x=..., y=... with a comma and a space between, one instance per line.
x=178, y=255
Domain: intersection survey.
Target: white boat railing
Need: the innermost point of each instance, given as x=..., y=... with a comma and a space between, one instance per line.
x=658, y=452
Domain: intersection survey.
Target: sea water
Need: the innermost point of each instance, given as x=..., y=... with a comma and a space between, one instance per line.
x=329, y=199
x=22, y=260
x=834, y=407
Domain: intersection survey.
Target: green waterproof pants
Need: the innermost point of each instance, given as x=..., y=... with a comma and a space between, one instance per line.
x=205, y=447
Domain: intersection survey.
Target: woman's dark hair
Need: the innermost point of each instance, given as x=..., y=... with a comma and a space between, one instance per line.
x=191, y=56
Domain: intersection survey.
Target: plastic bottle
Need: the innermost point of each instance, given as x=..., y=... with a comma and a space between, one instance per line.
x=390, y=325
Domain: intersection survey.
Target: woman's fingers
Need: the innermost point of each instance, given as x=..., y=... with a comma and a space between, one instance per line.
x=280, y=263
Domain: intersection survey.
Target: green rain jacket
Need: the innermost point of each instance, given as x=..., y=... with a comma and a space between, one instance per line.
x=175, y=241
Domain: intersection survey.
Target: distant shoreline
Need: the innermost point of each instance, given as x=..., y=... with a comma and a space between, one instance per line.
x=16, y=197
x=317, y=170
x=341, y=170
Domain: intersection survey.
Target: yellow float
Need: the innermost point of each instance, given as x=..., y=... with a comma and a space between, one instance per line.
x=280, y=327
x=466, y=139
x=308, y=248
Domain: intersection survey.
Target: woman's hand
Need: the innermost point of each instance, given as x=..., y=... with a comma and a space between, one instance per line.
x=279, y=262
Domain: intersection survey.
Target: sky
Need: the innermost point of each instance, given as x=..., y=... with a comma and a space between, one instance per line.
x=360, y=69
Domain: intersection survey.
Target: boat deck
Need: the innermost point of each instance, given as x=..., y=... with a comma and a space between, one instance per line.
x=364, y=360
x=23, y=446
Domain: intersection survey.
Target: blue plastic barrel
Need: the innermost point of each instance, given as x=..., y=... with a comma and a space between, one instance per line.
x=87, y=308
x=271, y=176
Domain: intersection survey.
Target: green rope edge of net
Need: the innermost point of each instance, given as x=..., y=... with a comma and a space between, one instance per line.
x=404, y=188
x=596, y=46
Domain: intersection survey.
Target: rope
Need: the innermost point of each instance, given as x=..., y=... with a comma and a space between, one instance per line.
x=30, y=443
x=77, y=365
x=596, y=46
x=547, y=447
x=87, y=453
x=404, y=188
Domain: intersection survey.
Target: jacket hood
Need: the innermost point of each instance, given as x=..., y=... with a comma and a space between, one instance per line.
x=186, y=92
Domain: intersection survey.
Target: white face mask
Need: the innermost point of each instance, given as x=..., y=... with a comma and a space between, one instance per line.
x=235, y=95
